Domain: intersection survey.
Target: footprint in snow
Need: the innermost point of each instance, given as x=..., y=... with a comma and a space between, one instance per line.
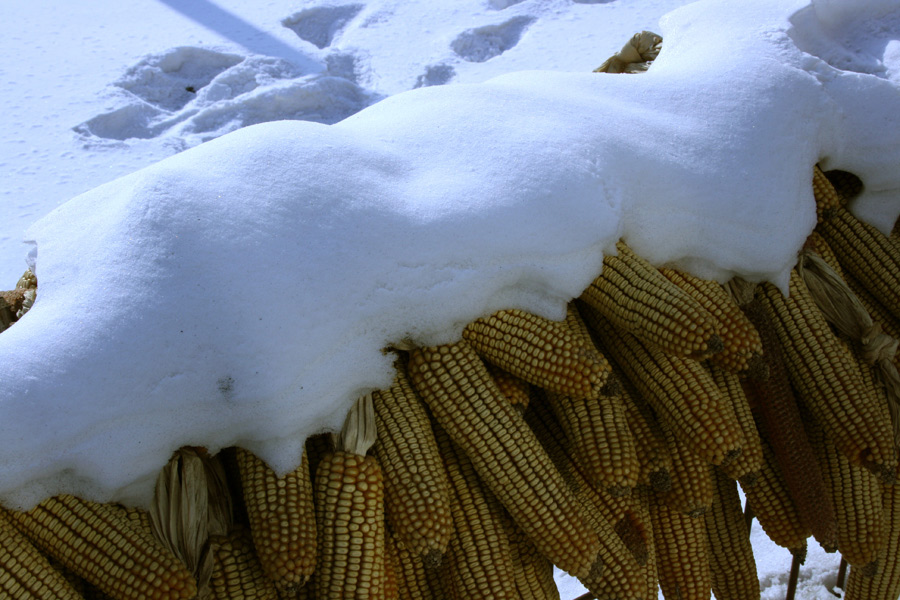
x=484, y=43
x=435, y=75
x=319, y=25
x=171, y=79
x=192, y=95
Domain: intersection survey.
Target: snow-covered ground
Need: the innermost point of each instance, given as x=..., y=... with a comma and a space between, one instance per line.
x=97, y=90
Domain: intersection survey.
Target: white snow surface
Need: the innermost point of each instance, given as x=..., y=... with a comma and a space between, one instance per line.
x=241, y=292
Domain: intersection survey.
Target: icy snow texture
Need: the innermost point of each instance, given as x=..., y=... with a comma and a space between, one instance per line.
x=242, y=291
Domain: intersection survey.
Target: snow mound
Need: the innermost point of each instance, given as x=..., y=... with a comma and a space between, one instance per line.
x=242, y=292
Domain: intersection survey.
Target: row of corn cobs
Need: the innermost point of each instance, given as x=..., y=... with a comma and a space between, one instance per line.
x=610, y=444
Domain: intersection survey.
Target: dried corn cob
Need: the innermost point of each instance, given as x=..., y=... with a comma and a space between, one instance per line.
x=856, y=496
x=600, y=439
x=682, y=561
x=464, y=400
x=349, y=499
x=885, y=584
x=823, y=370
x=742, y=345
x=533, y=571
x=746, y=466
x=649, y=439
x=635, y=297
x=416, y=489
x=85, y=590
x=596, y=499
x=139, y=518
x=866, y=253
x=780, y=421
x=237, y=573
x=482, y=563
x=827, y=198
x=282, y=520
x=731, y=559
x=543, y=352
x=773, y=507
x=620, y=576
x=98, y=543
x=24, y=572
x=680, y=390
x=514, y=389
x=412, y=582
x=642, y=499
x=692, y=488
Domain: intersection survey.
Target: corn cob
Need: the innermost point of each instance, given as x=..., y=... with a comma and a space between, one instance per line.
x=416, y=489
x=237, y=573
x=682, y=561
x=543, y=352
x=827, y=197
x=773, y=507
x=692, y=488
x=412, y=582
x=391, y=570
x=742, y=346
x=463, y=398
x=680, y=390
x=482, y=563
x=600, y=439
x=98, y=543
x=782, y=424
x=866, y=253
x=349, y=499
x=642, y=499
x=746, y=466
x=533, y=572
x=636, y=298
x=856, y=496
x=649, y=439
x=885, y=584
x=85, y=590
x=826, y=375
x=516, y=390
x=731, y=559
x=24, y=572
x=595, y=499
x=139, y=518
x=282, y=520
x=620, y=575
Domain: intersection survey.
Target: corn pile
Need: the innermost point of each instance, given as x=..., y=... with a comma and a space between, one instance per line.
x=611, y=445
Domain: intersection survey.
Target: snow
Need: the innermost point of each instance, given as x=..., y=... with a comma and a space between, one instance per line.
x=241, y=291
